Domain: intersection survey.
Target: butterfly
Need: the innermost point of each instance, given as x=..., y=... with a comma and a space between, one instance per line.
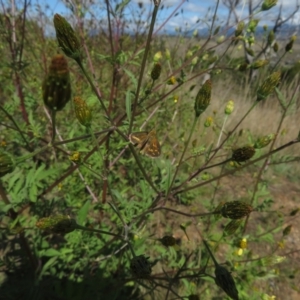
x=147, y=142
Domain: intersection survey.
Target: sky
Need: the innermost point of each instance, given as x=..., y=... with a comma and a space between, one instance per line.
x=184, y=14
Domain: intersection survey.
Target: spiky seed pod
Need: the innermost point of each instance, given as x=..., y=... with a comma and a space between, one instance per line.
x=57, y=224
x=250, y=51
x=268, y=4
x=264, y=141
x=7, y=164
x=229, y=107
x=155, y=73
x=66, y=37
x=82, y=112
x=271, y=37
x=268, y=86
x=203, y=98
x=287, y=230
x=259, y=64
x=226, y=282
x=140, y=266
x=242, y=154
x=275, y=47
x=168, y=240
x=232, y=226
x=290, y=44
x=236, y=209
x=252, y=25
x=239, y=28
x=56, y=86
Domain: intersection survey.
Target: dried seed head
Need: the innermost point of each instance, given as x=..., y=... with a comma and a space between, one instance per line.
x=193, y=297
x=264, y=141
x=155, y=73
x=289, y=45
x=57, y=224
x=236, y=210
x=239, y=29
x=140, y=266
x=82, y=112
x=229, y=107
x=66, y=37
x=242, y=154
x=268, y=86
x=259, y=64
x=7, y=164
x=232, y=226
x=243, y=67
x=168, y=240
x=268, y=4
x=56, y=86
x=203, y=98
x=225, y=281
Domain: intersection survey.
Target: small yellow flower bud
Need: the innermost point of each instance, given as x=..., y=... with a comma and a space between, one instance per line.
x=172, y=80
x=208, y=122
x=75, y=157
x=229, y=107
x=243, y=243
x=157, y=57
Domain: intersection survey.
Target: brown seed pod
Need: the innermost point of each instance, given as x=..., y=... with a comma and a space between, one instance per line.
x=236, y=210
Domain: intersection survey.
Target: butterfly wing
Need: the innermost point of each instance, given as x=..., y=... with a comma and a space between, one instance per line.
x=152, y=147
x=139, y=139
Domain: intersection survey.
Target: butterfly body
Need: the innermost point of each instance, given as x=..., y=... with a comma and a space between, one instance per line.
x=147, y=142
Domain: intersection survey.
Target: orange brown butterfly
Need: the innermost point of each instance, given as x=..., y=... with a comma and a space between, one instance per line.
x=147, y=142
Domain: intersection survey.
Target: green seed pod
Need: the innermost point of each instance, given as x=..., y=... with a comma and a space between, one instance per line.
x=56, y=86
x=82, y=112
x=264, y=141
x=57, y=224
x=155, y=73
x=140, y=266
x=7, y=164
x=271, y=37
x=239, y=29
x=268, y=86
x=168, y=240
x=236, y=210
x=290, y=44
x=229, y=107
x=66, y=37
x=275, y=47
x=226, y=282
x=242, y=154
x=259, y=64
x=250, y=51
x=268, y=4
x=232, y=226
x=203, y=98
x=252, y=25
